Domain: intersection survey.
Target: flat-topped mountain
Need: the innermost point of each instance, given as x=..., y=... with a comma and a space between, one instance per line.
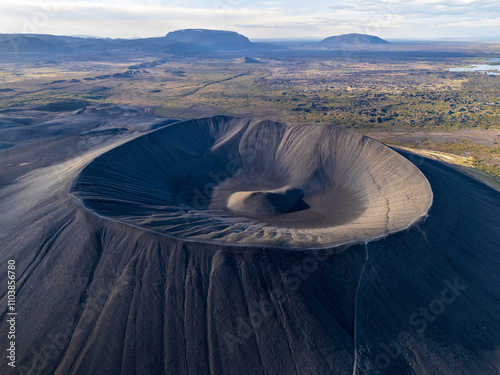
x=352, y=39
x=219, y=39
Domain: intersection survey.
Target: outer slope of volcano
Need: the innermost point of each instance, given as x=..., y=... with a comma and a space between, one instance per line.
x=98, y=296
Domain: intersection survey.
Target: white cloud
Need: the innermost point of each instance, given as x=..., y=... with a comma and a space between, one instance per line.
x=258, y=19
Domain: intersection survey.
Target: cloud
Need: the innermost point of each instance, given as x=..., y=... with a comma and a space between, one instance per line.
x=257, y=19
x=109, y=19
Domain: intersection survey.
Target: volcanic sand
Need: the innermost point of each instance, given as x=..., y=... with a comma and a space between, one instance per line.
x=96, y=295
x=241, y=181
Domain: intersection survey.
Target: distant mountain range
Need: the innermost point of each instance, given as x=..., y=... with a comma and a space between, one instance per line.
x=187, y=41
x=194, y=42
x=181, y=42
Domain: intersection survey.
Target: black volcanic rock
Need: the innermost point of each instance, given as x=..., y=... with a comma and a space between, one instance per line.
x=353, y=39
x=218, y=39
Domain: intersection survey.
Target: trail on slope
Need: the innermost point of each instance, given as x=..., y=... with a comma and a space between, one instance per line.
x=355, y=324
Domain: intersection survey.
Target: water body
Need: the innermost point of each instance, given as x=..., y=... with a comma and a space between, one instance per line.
x=485, y=68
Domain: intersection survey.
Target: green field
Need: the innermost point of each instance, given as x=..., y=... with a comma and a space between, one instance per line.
x=367, y=95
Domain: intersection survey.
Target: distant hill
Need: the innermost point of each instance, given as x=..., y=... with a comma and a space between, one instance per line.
x=248, y=60
x=216, y=39
x=352, y=40
x=32, y=44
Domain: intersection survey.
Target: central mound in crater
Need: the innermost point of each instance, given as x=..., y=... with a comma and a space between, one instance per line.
x=250, y=182
x=266, y=203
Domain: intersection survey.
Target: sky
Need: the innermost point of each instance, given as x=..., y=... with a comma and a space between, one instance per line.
x=390, y=19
